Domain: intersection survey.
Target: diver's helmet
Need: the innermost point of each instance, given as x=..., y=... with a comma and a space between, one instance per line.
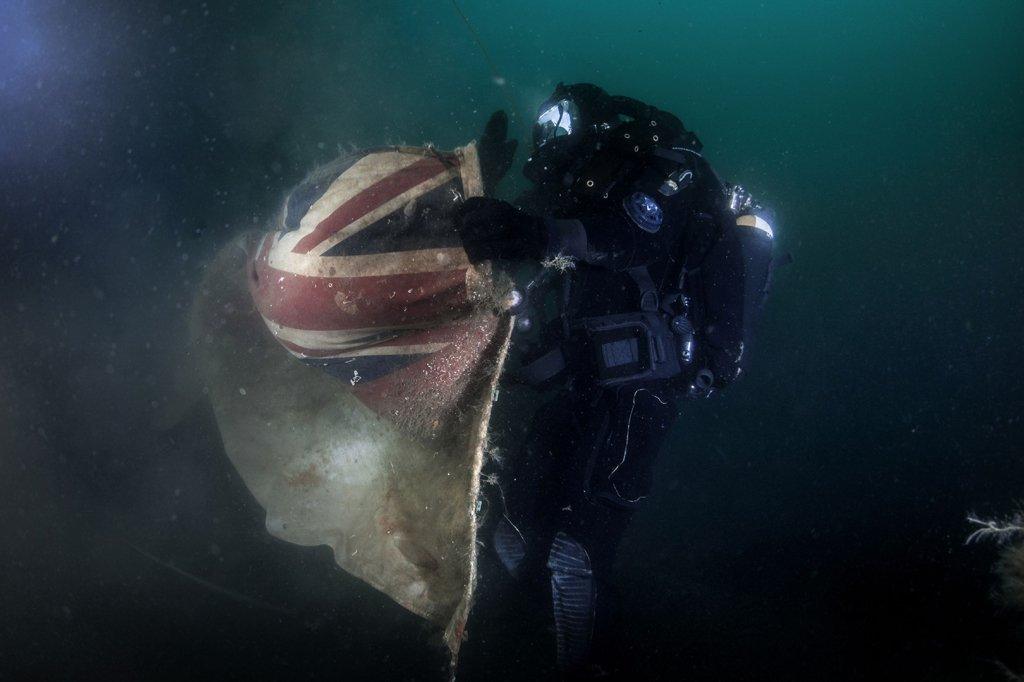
x=577, y=120
x=569, y=126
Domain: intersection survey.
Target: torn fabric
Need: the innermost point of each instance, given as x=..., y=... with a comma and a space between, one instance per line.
x=351, y=356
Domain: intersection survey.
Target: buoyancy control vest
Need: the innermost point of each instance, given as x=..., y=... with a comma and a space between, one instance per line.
x=633, y=171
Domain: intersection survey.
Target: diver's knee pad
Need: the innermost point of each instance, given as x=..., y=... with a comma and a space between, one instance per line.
x=573, y=595
x=510, y=547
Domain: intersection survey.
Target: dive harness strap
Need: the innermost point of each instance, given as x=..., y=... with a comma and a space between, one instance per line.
x=543, y=368
x=648, y=290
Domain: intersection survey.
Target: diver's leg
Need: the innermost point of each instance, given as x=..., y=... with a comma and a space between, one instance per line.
x=573, y=571
x=529, y=491
x=628, y=427
x=580, y=562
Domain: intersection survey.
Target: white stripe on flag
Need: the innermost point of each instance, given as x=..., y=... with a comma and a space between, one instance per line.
x=290, y=239
x=373, y=265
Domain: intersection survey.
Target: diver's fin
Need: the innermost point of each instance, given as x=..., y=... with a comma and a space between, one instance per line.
x=510, y=546
x=573, y=596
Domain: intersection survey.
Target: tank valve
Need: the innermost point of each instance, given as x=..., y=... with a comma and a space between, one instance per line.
x=740, y=199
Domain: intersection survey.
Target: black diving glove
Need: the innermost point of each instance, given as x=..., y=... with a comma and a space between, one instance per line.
x=491, y=229
x=495, y=151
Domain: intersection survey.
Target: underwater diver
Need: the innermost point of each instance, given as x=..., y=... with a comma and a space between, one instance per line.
x=659, y=271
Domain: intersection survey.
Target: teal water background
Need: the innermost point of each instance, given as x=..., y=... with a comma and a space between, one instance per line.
x=807, y=525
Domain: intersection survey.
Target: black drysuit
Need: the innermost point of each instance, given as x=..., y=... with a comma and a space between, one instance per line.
x=573, y=484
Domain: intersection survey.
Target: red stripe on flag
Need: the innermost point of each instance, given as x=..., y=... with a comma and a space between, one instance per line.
x=326, y=303
x=429, y=389
x=375, y=195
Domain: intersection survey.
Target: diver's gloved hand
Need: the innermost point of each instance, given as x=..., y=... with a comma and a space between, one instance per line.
x=491, y=229
x=495, y=151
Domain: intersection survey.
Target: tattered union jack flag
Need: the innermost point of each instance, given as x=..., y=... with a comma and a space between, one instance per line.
x=367, y=278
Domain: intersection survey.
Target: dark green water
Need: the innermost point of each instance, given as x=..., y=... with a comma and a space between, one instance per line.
x=807, y=525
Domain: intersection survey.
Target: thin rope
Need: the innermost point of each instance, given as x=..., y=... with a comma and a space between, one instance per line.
x=495, y=76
